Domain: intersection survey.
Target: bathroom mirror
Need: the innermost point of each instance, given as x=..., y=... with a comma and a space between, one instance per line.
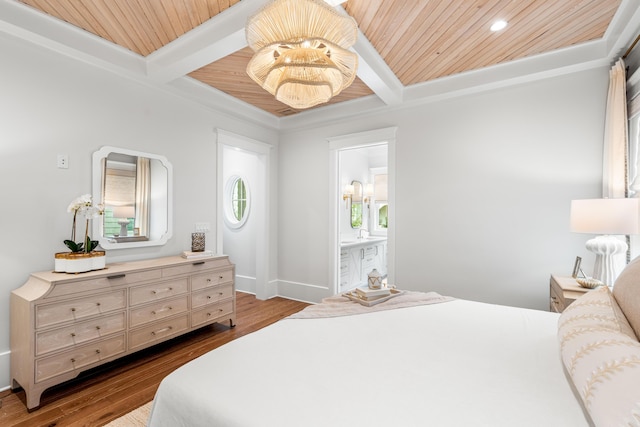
x=137, y=193
x=356, y=205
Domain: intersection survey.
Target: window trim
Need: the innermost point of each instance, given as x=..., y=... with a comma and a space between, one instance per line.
x=229, y=216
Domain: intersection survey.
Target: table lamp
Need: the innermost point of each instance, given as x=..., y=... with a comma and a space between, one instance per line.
x=609, y=218
x=124, y=213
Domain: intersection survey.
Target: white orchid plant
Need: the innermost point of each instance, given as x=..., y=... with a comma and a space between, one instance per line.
x=83, y=207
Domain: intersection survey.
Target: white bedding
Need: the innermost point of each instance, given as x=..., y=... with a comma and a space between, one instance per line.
x=458, y=363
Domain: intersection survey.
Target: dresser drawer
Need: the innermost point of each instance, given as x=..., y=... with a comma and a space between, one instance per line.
x=78, y=358
x=194, y=267
x=80, y=308
x=104, y=282
x=158, y=310
x=212, y=278
x=157, y=332
x=158, y=291
x=211, y=295
x=79, y=333
x=211, y=313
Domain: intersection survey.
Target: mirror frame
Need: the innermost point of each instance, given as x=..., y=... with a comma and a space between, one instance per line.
x=97, y=229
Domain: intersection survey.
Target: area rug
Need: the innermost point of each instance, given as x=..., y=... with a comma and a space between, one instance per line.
x=136, y=418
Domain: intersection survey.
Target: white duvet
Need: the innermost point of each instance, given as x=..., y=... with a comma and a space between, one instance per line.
x=458, y=363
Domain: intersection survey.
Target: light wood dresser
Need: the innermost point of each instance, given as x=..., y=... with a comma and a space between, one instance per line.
x=63, y=324
x=563, y=291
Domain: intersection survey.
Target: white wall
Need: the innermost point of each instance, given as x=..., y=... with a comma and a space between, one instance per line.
x=50, y=104
x=483, y=188
x=240, y=243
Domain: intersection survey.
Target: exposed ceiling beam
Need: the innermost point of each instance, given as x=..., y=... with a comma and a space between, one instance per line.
x=218, y=37
x=225, y=34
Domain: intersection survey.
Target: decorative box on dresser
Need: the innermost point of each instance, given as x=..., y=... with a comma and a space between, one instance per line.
x=563, y=291
x=63, y=324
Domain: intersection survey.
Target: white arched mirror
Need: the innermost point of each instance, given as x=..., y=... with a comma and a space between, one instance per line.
x=136, y=191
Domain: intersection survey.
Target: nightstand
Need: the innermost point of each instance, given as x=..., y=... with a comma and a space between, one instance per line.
x=563, y=291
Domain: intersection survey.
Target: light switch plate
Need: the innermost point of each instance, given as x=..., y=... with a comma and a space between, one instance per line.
x=202, y=227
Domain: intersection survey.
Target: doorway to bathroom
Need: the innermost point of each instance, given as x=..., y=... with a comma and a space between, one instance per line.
x=362, y=232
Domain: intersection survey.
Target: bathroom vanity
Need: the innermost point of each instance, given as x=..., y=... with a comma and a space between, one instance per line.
x=358, y=257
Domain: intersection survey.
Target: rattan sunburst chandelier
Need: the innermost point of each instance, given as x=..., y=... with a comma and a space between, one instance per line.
x=301, y=51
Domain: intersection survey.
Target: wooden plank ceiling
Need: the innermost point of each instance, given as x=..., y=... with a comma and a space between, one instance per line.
x=419, y=40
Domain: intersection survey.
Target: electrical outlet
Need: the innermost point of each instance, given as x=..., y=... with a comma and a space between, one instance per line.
x=63, y=161
x=202, y=227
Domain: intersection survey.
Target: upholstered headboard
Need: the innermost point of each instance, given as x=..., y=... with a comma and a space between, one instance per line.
x=627, y=294
x=599, y=345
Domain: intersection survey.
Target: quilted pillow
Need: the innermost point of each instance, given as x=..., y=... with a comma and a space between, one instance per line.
x=626, y=291
x=602, y=356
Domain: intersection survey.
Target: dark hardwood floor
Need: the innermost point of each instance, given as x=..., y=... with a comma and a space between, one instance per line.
x=107, y=392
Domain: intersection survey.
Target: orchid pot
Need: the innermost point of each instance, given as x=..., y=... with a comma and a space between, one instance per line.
x=83, y=256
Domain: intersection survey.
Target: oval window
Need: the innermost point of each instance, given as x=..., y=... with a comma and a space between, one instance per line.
x=237, y=202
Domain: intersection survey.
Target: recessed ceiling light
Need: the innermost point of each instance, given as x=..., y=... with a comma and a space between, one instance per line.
x=498, y=25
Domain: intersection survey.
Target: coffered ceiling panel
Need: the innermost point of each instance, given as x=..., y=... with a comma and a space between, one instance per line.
x=418, y=41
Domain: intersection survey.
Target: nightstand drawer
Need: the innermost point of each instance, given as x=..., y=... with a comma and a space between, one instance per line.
x=563, y=291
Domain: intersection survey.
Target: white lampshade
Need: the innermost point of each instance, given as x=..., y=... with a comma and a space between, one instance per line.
x=605, y=216
x=608, y=217
x=124, y=212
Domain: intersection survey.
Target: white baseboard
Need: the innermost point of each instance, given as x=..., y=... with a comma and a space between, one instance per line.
x=5, y=370
x=246, y=284
x=302, y=291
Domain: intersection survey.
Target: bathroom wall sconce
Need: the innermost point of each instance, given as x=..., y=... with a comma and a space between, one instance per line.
x=347, y=193
x=368, y=193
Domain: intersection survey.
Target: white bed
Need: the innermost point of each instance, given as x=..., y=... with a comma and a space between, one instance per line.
x=453, y=363
x=449, y=364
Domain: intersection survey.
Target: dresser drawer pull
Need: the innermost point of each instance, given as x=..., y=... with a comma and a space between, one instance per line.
x=73, y=360
x=162, y=290
x=98, y=327
x=161, y=310
x=98, y=351
x=198, y=263
x=73, y=309
x=73, y=334
x=554, y=299
x=116, y=276
x=159, y=331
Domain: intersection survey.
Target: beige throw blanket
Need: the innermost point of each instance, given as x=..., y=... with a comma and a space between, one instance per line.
x=342, y=306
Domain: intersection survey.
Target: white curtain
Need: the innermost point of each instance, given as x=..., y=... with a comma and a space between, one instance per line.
x=614, y=178
x=143, y=193
x=616, y=149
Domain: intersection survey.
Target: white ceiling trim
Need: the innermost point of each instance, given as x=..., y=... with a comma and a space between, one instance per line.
x=166, y=68
x=22, y=21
